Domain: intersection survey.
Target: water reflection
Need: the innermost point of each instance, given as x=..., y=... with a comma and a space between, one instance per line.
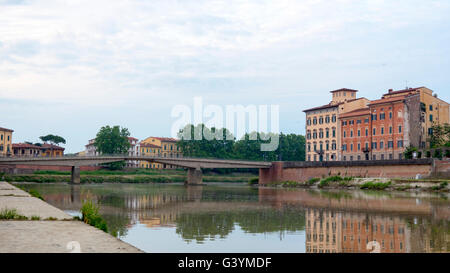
x=222, y=218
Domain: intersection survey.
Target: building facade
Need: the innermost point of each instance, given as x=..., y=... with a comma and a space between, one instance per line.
x=388, y=126
x=50, y=150
x=159, y=146
x=37, y=150
x=5, y=141
x=26, y=150
x=323, y=137
x=148, y=149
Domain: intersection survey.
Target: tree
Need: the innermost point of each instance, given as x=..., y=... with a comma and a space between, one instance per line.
x=440, y=135
x=193, y=143
x=409, y=152
x=113, y=140
x=53, y=139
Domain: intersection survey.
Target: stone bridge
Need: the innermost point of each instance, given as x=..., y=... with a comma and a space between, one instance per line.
x=193, y=165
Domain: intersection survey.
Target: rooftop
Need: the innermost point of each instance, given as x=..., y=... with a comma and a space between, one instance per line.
x=344, y=89
x=25, y=146
x=52, y=146
x=5, y=129
x=407, y=90
x=387, y=100
x=358, y=112
x=148, y=145
x=329, y=105
x=165, y=139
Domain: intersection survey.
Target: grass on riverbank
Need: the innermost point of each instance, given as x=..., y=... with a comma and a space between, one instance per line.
x=338, y=182
x=90, y=216
x=11, y=214
x=168, y=177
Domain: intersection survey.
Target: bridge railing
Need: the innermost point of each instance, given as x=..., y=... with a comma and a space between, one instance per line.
x=126, y=157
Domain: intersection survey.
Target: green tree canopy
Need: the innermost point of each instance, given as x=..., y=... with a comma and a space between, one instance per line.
x=54, y=139
x=440, y=135
x=195, y=141
x=112, y=140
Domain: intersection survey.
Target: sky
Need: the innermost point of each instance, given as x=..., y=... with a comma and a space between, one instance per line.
x=71, y=67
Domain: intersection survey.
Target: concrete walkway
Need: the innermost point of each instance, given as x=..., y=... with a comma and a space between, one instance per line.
x=63, y=235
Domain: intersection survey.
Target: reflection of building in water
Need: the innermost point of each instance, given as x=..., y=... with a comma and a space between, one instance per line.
x=358, y=230
x=323, y=231
x=435, y=236
x=330, y=232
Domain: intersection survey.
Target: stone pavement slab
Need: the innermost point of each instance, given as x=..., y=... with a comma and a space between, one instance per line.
x=26, y=205
x=55, y=237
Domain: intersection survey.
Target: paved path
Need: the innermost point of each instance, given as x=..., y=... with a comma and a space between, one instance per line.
x=50, y=236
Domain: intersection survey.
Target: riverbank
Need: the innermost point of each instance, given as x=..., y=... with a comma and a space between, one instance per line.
x=135, y=176
x=30, y=225
x=380, y=184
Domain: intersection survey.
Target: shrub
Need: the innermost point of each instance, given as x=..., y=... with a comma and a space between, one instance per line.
x=312, y=181
x=428, y=154
x=447, y=154
x=324, y=183
x=253, y=181
x=375, y=186
x=409, y=152
x=290, y=184
x=438, y=153
x=90, y=215
x=11, y=214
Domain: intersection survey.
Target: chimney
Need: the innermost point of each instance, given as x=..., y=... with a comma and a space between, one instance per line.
x=390, y=90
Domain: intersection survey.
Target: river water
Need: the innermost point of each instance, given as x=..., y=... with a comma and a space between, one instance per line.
x=239, y=218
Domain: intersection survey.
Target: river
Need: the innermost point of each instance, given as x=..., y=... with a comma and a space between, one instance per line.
x=166, y=218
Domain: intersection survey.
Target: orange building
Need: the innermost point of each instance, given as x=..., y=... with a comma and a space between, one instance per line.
x=388, y=126
x=355, y=134
x=392, y=234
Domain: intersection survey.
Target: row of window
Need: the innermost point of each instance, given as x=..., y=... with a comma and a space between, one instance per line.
x=2, y=148
x=374, y=157
x=374, y=131
x=1, y=138
x=321, y=133
x=321, y=120
x=327, y=157
x=374, y=146
x=321, y=147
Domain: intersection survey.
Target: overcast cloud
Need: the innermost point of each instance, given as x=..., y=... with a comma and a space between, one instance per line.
x=70, y=67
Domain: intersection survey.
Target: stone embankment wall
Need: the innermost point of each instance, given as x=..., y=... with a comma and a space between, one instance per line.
x=303, y=171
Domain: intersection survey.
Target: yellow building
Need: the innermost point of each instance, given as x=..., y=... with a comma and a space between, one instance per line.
x=50, y=150
x=159, y=146
x=147, y=149
x=323, y=138
x=5, y=141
